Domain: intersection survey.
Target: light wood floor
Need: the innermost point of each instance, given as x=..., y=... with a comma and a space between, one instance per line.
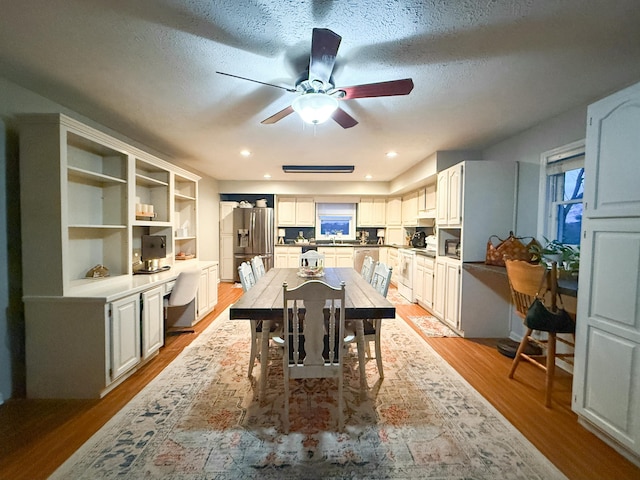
x=36, y=436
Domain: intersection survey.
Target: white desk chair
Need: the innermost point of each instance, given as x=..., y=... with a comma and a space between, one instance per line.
x=179, y=307
x=248, y=280
x=258, y=267
x=318, y=350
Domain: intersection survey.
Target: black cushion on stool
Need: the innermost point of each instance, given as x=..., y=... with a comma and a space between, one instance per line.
x=508, y=348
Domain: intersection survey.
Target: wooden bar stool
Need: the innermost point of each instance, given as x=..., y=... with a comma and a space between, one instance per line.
x=527, y=281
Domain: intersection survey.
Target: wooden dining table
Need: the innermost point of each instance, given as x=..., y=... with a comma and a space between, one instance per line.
x=264, y=301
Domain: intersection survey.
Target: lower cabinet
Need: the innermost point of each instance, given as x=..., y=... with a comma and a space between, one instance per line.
x=446, y=299
x=337, y=256
x=423, y=281
x=287, y=256
x=392, y=261
x=207, y=290
x=152, y=321
x=125, y=335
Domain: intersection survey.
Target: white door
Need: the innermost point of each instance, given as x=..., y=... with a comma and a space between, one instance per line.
x=427, y=289
x=455, y=195
x=152, y=321
x=125, y=335
x=606, y=382
x=442, y=204
x=226, y=257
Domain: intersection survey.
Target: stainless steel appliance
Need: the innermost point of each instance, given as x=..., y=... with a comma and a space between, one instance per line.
x=253, y=230
x=360, y=252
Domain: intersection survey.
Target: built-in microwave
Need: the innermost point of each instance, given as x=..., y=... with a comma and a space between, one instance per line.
x=452, y=248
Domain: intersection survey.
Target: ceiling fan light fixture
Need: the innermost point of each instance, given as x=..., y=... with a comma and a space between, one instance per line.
x=315, y=108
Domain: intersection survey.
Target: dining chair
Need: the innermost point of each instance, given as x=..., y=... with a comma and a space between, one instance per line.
x=248, y=280
x=311, y=259
x=258, y=267
x=178, y=305
x=380, y=280
x=526, y=282
x=316, y=348
x=367, y=268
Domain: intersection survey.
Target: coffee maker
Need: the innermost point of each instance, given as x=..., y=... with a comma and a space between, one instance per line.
x=418, y=240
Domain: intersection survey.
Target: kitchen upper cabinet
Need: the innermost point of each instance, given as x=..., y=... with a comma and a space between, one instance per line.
x=394, y=211
x=305, y=212
x=427, y=201
x=410, y=209
x=296, y=212
x=606, y=376
x=449, y=192
x=372, y=212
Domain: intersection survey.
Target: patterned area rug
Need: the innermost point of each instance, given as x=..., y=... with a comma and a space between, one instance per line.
x=199, y=419
x=432, y=327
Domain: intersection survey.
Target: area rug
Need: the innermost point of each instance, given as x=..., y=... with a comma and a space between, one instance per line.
x=431, y=326
x=200, y=419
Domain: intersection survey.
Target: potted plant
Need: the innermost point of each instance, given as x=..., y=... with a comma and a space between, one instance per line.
x=566, y=256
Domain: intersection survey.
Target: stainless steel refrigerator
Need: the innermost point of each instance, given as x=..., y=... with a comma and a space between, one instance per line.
x=253, y=234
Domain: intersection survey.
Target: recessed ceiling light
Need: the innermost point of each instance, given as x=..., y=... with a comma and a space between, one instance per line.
x=391, y=154
x=267, y=176
x=245, y=153
x=368, y=177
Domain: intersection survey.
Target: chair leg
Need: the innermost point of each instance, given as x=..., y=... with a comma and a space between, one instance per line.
x=378, y=325
x=521, y=348
x=551, y=367
x=254, y=346
x=360, y=344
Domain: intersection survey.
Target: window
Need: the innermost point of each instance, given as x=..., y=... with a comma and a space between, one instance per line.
x=564, y=190
x=335, y=220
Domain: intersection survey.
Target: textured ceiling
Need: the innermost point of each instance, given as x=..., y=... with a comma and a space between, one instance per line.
x=483, y=70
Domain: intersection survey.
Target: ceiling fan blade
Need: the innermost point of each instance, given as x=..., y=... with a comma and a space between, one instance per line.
x=324, y=48
x=381, y=89
x=278, y=116
x=293, y=90
x=343, y=119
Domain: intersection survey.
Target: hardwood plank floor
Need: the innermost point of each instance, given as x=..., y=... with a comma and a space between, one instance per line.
x=36, y=436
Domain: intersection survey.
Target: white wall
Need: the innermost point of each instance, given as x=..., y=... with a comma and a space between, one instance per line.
x=527, y=148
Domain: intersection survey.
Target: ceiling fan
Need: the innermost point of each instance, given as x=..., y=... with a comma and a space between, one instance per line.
x=318, y=97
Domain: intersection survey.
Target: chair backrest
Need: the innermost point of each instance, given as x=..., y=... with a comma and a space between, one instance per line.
x=367, y=268
x=311, y=258
x=525, y=280
x=258, y=267
x=185, y=288
x=247, y=279
x=381, y=278
x=314, y=352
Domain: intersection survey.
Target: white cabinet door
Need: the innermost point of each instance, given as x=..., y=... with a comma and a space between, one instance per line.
x=452, y=301
x=410, y=209
x=203, y=293
x=606, y=382
x=418, y=284
x=454, y=216
x=379, y=213
x=394, y=211
x=226, y=217
x=287, y=212
x=440, y=286
x=152, y=321
x=212, y=285
x=427, y=287
x=125, y=335
x=344, y=257
x=442, y=205
x=226, y=258
x=365, y=212
x=305, y=212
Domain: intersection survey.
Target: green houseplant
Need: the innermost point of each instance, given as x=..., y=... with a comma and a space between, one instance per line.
x=566, y=256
